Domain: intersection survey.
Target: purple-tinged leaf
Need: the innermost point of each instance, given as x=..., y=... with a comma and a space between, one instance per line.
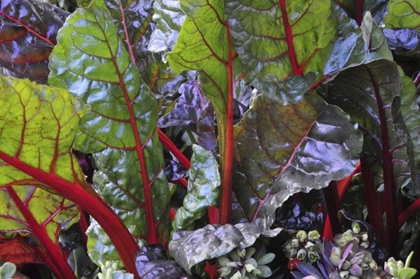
x=308, y=270
x=283, y=150
x=370, y=94
x=187, y=107
x=152, y=263
x=206, y=134
x=28, y=32
x=355, y=9
x=407, y=39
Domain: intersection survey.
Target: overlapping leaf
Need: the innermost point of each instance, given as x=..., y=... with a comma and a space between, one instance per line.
x=375, y=7
x=92, y=62
x=367, y=93
x=403, y=14
x=17, y=251
x=38, y=125
x=169, y=18
x=203, y=44
x=212, y=241
x=187, y=108
x=28, y=32
x=282, y=150
x=203, y=184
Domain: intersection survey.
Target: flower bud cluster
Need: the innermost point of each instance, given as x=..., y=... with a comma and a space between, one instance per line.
x=304, y=246
x=245, y=263
x=355, y=233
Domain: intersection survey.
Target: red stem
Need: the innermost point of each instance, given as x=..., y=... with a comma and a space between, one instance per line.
x=359, y=12
x=61, y=268
x=372, y=198
x=227, y=141
x=391, y=235
x=173, y=149
x=403, y=216
x=332, y=201
x=289, y=39
x=417, y=79
x=86, y=197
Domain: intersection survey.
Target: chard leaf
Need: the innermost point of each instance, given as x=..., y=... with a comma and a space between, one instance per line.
x=169, y=18
x=28, y=32
x=212, y=241
x=120, y=129
x=356, y=9
x=17, y=250
x=371, y=94
x=403, y=14
x=210, y=54
x=205, y=128
x=187, y=107
x=152, y=263
x=37, y=127
x=282, y=150
x=203, y=189
x=292, y=34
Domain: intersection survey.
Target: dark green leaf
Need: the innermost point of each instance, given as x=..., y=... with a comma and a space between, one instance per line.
x=192, y=247
x=282, y=150
x=120, y=129
x=203, y=189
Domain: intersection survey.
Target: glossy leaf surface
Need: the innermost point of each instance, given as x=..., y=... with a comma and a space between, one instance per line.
x=371, y=95
x=120, y=129
x=403, y=14
x=192, y=247
x=28, y=32
x=187, y=108
x=152, y=263
x=203, y=189
x=291, y=33
x=282, y=150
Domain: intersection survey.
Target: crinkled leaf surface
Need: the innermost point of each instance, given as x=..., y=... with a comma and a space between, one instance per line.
x=291, y=33
x=28, y=32
x=281, y=150
x=152, y=263
x=406, y=39
x=212, y=241
x=356, y=45
x=92, y=62
x=203, y=189
x=403, y=14
x=187, y=107
x=204, y=44
x=17, y=251
x=169, y=18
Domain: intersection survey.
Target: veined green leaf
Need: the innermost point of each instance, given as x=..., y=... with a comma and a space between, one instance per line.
x=37, y=129
x=281, y=150
x=276, y=39
x=203, y=183
x=403, y=14
x=92, y=62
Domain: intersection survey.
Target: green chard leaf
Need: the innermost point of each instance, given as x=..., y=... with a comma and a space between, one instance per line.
x=403, y=14
x=203, y=183
x=120, y=130
x=37, y=129
x=281, y=150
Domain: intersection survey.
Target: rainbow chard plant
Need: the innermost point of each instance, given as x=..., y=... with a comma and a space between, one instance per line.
x=174, y=138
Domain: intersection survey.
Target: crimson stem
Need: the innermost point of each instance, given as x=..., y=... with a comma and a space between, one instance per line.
x=86, y=197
